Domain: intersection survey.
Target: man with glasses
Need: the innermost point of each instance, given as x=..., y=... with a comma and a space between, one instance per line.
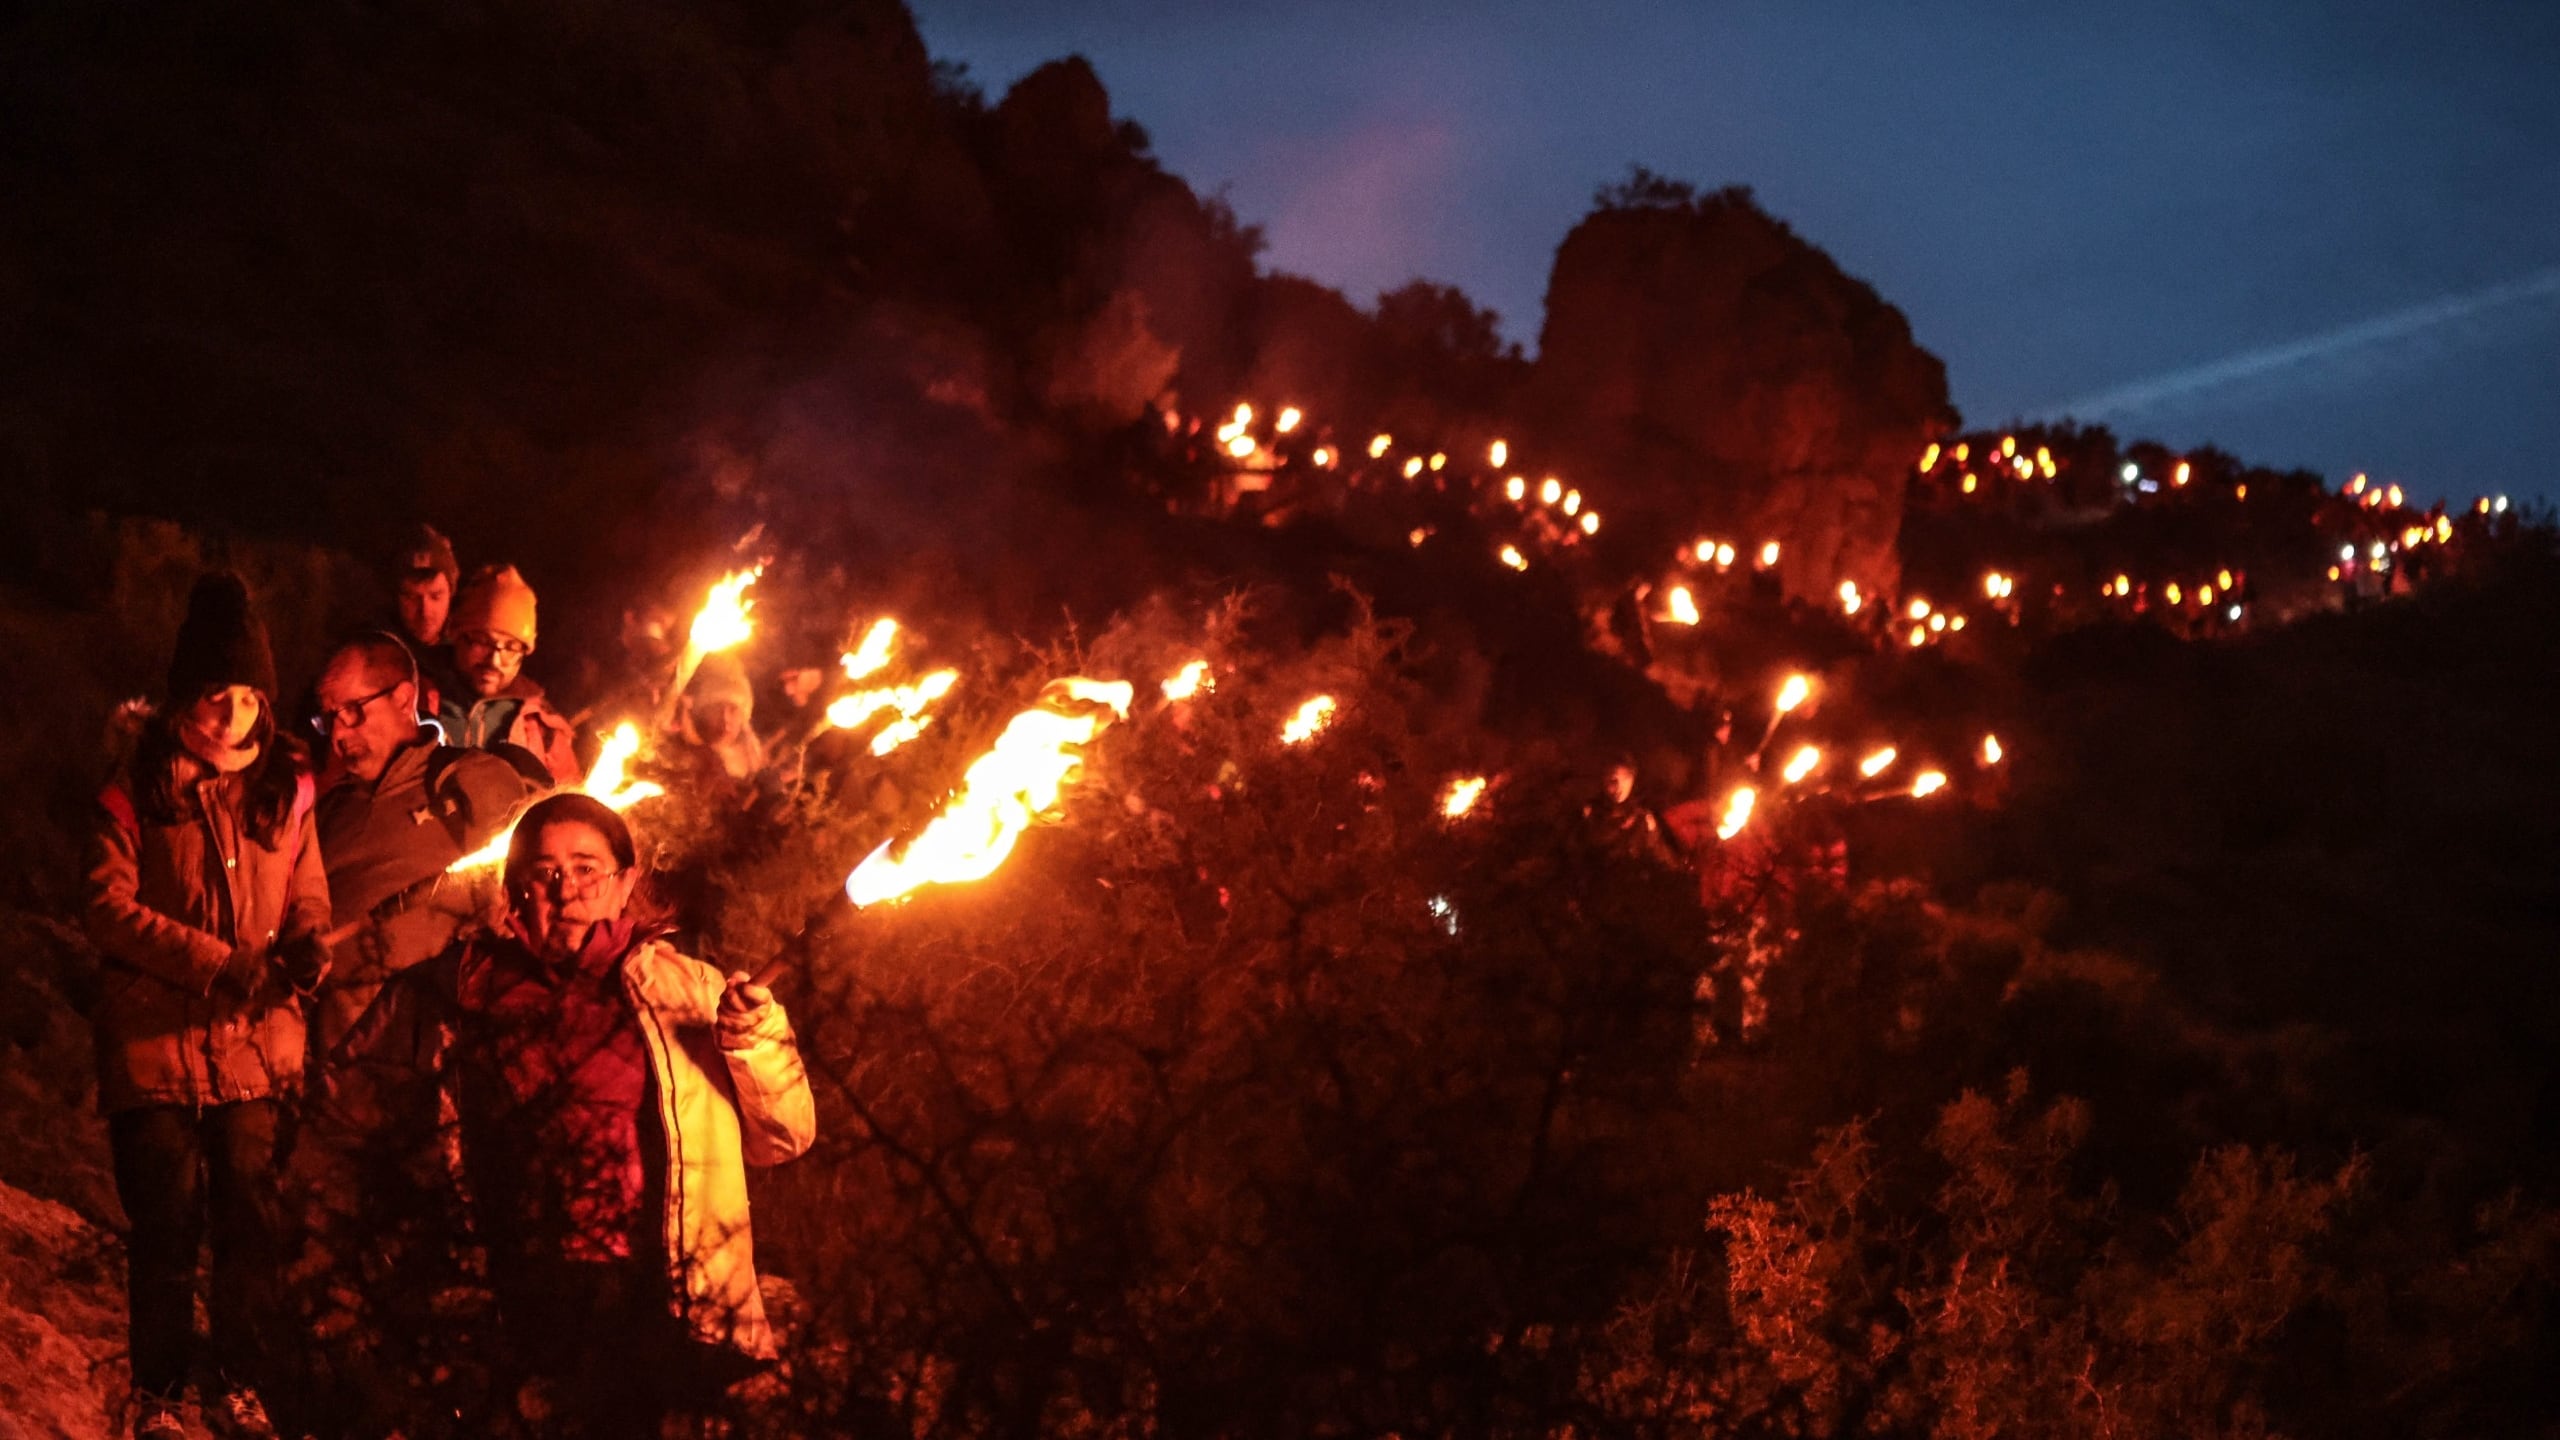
x=487, y=698
x=398, y=809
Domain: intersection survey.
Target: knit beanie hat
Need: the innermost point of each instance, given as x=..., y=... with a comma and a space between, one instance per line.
x=722, y=679
x=427, y=553
x=497, y=600
x=220, y=642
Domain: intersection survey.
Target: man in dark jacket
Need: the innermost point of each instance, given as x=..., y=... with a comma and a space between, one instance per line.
x=399, y=809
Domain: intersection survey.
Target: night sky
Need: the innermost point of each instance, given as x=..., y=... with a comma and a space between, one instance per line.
x=2315, y=234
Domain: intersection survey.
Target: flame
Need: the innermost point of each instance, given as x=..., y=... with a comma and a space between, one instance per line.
x=1769, y=554
x=1461, y=796
x=2185, y=472
x=2391, y=497
x=605, y=781
x=1190, y=680
x=1378, y=445
x=1288, y=421
x=1929, y=457
x=1879, y=762
x=1919, y=610
x=2176, y=596
x=1499, y=455
x=1510, y=555
x=1439, y=461
x=1684, y=606
x=1590, y=522
x=1324, y=457
x=1241, y=446
x=1516, y=488
x=877, y=645
x=1244, y=415
x=722, y=621
x=1413, y=467
x=1724, y=556
x=898, y=732
x=1929, y=783
x=720, y=624
x=1919, y=636
x=1849, y=598
x=1970, y=482
x=1801, y=764
x=2008, y=446
x=1991, y=751
x=1704, y=551
x=1737, y=812
x=1796, y=690
x=1550, y=490
x=1573, y=502
x=1309, y=718
x=1004, y=790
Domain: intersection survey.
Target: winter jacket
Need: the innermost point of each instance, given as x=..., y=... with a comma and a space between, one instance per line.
x=386, y=841
x=518, y=715
x=721, y=1108
x=167, y=904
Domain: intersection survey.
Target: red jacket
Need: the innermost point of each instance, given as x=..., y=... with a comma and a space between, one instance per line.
x=167, y=904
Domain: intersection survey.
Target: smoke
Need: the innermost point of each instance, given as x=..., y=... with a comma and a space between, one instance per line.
x=2294, y=358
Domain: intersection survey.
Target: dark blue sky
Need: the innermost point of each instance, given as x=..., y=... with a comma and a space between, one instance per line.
x=2325, y=235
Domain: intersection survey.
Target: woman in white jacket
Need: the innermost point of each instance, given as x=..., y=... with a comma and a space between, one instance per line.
x=607, y=1094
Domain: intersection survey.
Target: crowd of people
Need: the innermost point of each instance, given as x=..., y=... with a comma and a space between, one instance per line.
x=294, y=969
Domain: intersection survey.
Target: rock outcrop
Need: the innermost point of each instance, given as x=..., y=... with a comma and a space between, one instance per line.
x=1726, y=377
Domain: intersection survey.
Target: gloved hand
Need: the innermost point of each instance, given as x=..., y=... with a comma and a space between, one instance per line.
x=243, y=971
x=748, y=1013
x=304, y=959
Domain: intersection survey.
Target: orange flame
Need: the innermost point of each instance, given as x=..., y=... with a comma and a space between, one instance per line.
x=1801, y=764
x=878, y=644
x=1683, y=606
x=723, y=621
x=1307, y=720
x=1461, y=796
x=1499, y=455
x=1991, y=751
x=1878, y=762
x=1190, y=680
x=1796, y=690
x=606, y=781
x=1768, y=554
x=1014, y=783
x=1929, y=783
x=1510, y=555
x=1378, y=445
x=1288, y=421
x=1737, y=812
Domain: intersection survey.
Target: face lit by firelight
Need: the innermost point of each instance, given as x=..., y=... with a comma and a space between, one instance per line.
x=570, y=884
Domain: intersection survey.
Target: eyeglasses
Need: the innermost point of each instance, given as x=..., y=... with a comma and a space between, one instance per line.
x=351, y=713
x=503, y=644
x=577, y=878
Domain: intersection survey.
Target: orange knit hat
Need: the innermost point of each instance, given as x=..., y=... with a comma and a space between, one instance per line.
x=497, y=600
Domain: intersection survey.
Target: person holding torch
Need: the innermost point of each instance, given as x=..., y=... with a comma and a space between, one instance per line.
x=608, y=1093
